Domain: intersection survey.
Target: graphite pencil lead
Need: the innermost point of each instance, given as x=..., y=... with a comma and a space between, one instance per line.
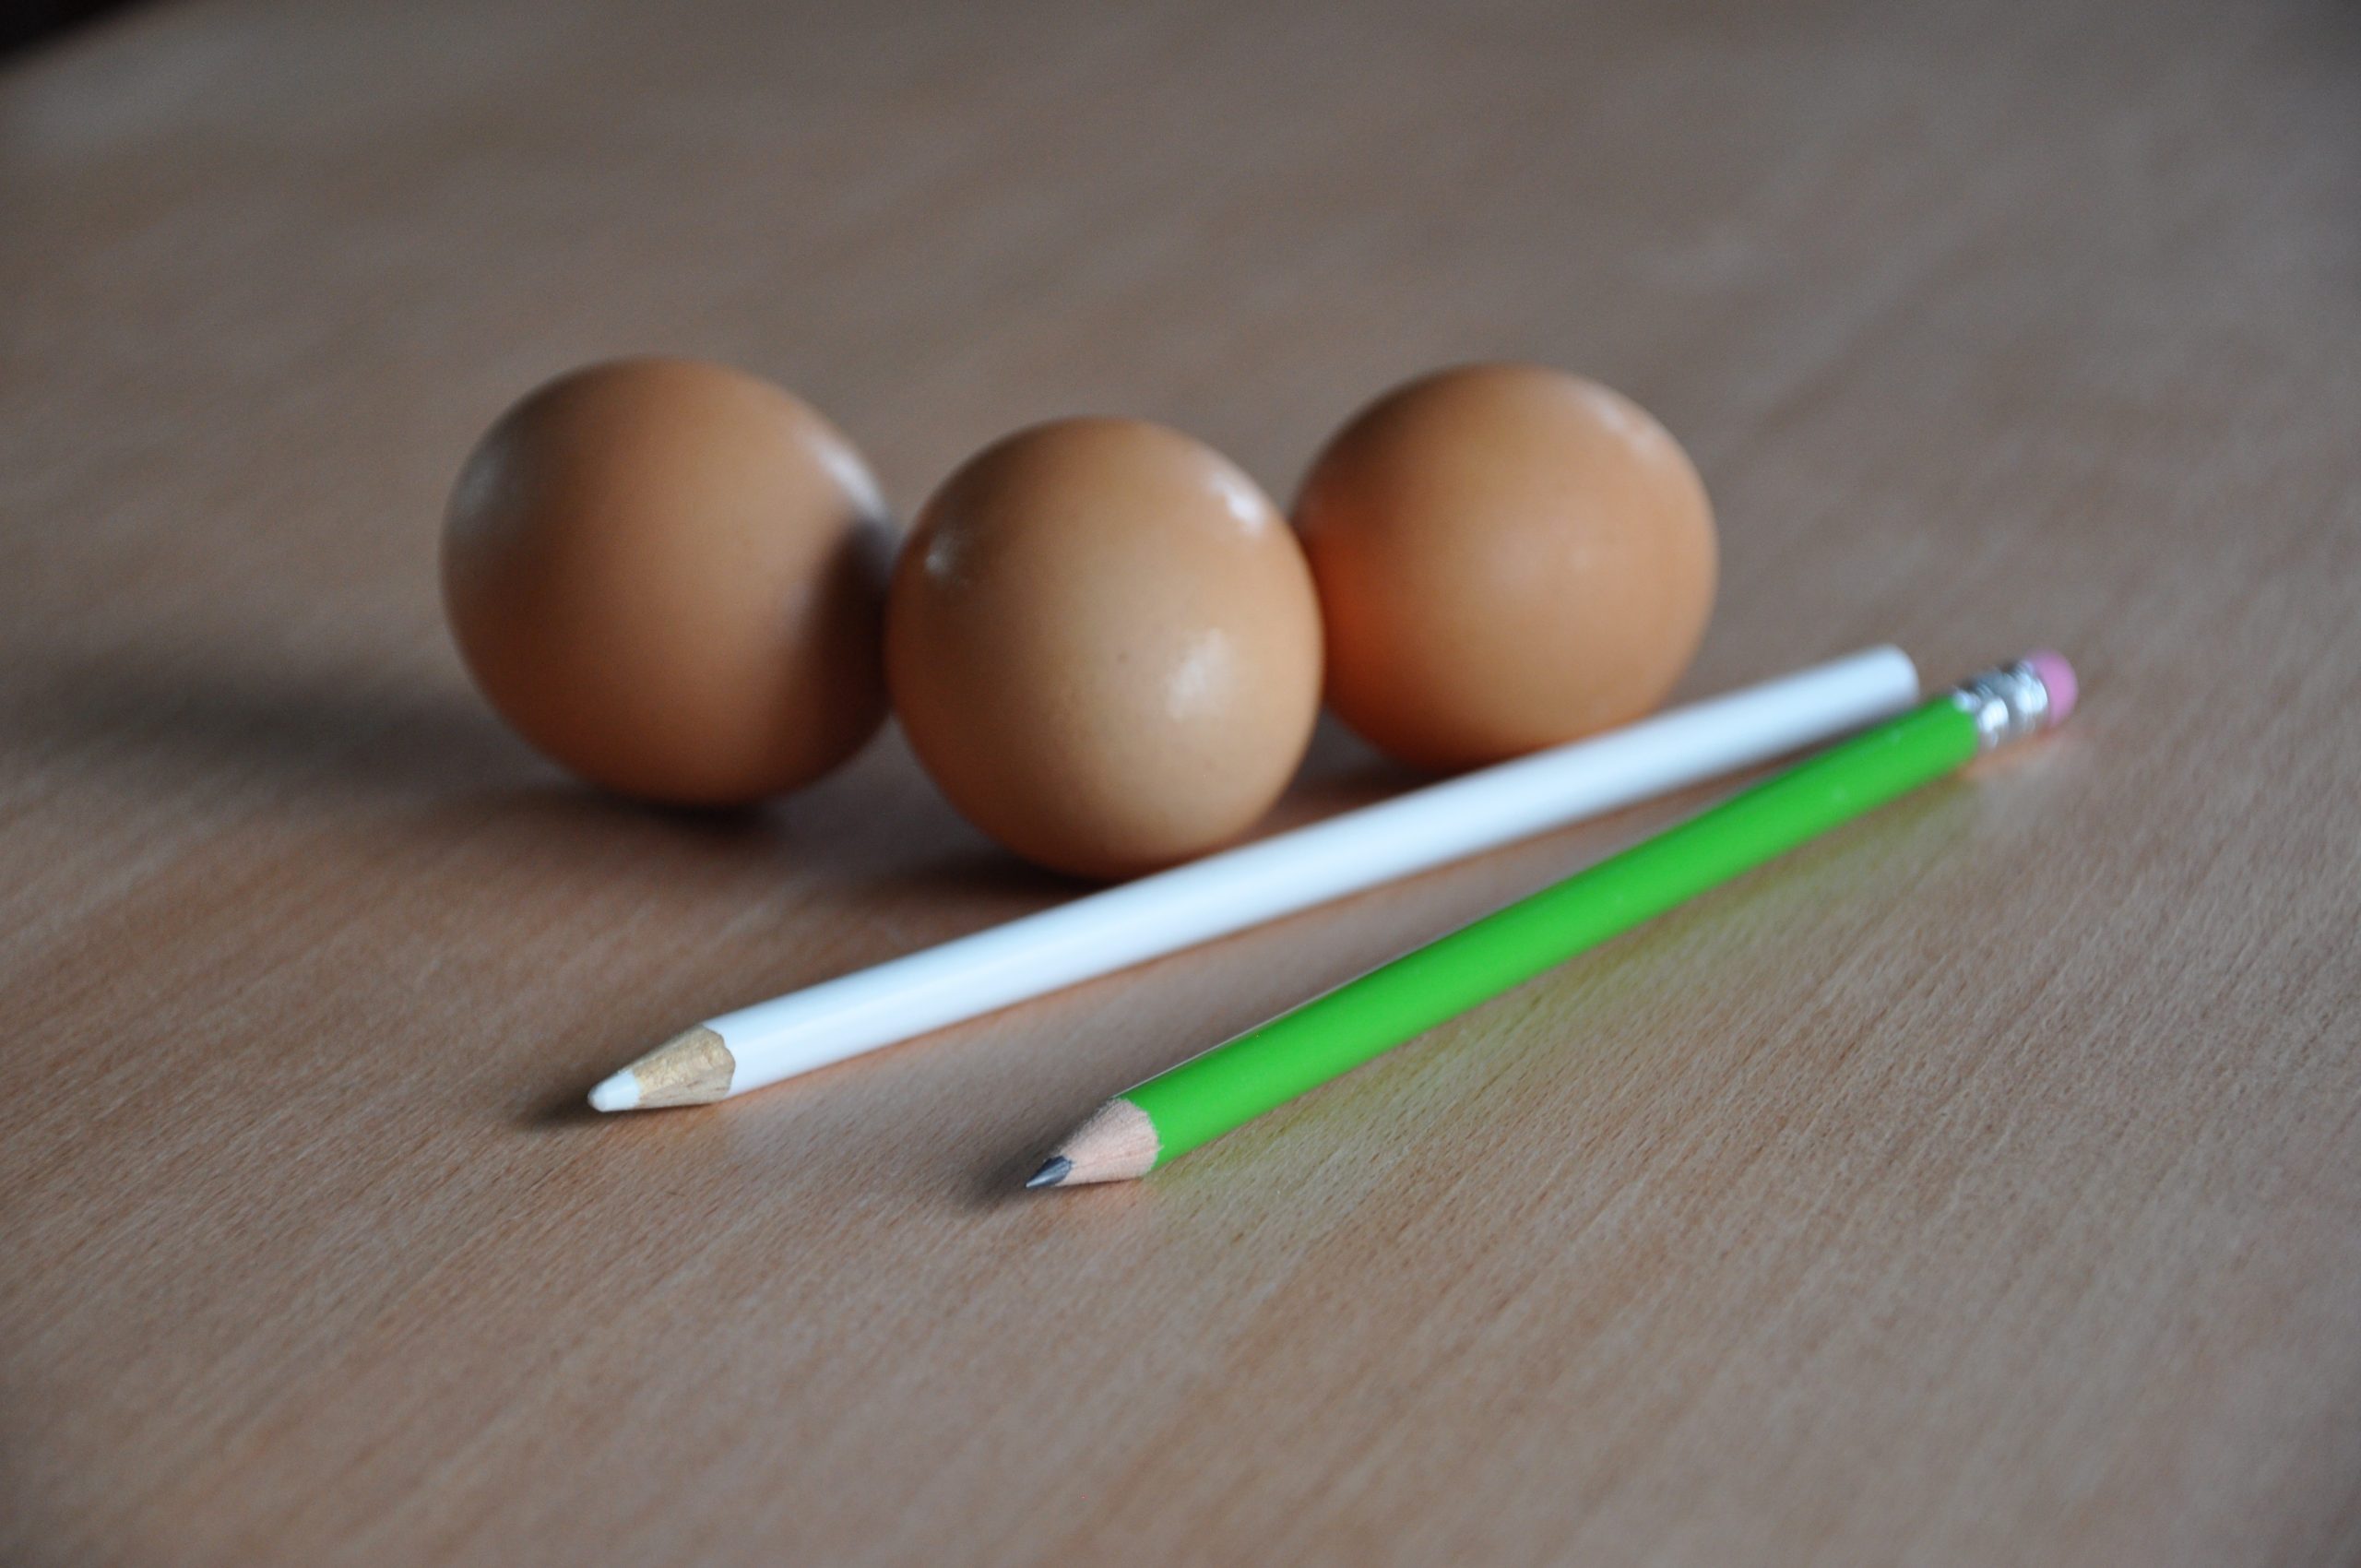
x=1053, y=1171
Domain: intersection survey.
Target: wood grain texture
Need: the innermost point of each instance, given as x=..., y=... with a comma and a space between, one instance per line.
x=1982, y=1185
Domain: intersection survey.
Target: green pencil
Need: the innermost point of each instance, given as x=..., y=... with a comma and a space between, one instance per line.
x=1329, y=1036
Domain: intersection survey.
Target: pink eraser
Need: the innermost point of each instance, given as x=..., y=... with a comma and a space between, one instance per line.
x=2057, y=678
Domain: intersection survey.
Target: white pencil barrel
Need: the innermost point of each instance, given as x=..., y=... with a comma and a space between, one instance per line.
x=1171, y=910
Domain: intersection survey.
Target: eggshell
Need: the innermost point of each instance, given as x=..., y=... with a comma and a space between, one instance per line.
x=670, y=577
x=1104, y=646
x=1508, y=557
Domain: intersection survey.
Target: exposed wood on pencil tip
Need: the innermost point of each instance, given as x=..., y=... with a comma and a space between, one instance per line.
x=1118, y=1144
x=1053, y=1171
x=693, y=1067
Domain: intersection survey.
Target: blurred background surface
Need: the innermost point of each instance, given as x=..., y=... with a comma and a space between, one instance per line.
x=1980, y=1187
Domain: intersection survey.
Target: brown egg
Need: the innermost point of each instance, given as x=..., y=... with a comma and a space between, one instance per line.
x=1104, y=646
x=1508, y=557
x=670, y=577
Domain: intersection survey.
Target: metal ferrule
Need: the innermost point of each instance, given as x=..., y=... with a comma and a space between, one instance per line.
x=2007, y=704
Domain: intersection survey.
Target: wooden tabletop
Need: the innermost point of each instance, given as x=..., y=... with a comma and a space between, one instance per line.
x=1981, y=1186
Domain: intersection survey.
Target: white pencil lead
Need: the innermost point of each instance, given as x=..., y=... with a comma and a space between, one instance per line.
x=619, y=1092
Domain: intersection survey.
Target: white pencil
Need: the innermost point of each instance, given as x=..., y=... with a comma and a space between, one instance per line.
x=1237, y=888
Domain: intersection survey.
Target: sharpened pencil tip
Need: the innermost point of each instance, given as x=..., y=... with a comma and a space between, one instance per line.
x=1053, y=1171
x=618, y=1093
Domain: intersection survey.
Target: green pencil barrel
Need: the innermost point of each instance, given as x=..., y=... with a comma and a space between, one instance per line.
x=1330, y=1035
